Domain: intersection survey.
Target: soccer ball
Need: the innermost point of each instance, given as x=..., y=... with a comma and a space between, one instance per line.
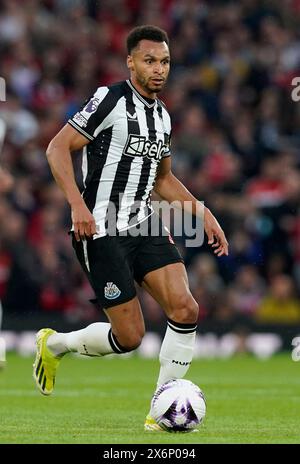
x=178, y=406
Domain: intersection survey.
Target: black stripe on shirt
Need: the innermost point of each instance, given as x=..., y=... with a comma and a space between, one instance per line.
x=124, y=165
x=145, y=172
x=96, y=159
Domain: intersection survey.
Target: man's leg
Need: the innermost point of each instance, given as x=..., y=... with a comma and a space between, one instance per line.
x=169, y=287
x=122, y=334
x=105, y=262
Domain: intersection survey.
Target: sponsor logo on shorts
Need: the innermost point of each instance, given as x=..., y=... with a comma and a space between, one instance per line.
x=111, y=291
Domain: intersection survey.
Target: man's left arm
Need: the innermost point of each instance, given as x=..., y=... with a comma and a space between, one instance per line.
x=170, y=188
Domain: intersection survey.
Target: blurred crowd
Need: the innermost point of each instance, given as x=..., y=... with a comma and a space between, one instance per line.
x=235, y=145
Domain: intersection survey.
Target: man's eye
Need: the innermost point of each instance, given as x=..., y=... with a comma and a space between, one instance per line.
x=148, y=61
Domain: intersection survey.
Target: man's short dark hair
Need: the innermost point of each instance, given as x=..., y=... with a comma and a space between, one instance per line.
x=145, y=33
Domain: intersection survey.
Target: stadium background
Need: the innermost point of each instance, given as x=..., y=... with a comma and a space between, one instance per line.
x=235, y=145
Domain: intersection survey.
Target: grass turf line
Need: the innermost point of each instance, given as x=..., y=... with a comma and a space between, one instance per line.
x=105, y=401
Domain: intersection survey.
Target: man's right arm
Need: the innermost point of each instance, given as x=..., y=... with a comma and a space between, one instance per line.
x=60, y=161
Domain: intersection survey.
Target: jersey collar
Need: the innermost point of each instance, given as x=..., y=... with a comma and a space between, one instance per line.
x=144, y=100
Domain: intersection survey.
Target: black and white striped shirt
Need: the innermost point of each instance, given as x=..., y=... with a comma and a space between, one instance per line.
x=129, y=134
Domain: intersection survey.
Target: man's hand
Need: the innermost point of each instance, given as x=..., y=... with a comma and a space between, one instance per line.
x=215, y=234
x=83, y=221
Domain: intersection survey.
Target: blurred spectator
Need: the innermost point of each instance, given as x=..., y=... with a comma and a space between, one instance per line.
x=205, y=282
x=235, y=145
x=247, y=290
x=280, y=306
x=6, y=181
x=203, y=271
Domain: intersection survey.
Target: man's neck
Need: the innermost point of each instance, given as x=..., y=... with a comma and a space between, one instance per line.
x=141, y=90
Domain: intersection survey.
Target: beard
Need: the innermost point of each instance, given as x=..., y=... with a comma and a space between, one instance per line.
x=150, y=86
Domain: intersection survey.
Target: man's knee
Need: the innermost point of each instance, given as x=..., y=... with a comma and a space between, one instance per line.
x=131, y=339
x=184, y=309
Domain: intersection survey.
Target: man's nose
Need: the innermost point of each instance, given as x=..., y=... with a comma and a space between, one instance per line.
x=158, y=68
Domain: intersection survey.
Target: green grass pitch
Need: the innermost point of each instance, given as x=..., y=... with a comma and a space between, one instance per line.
x=105, y=401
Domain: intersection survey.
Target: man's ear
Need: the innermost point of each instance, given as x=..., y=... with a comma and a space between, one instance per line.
x=130, y=63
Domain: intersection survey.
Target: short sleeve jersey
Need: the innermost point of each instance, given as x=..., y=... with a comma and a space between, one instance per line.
x=129, y=134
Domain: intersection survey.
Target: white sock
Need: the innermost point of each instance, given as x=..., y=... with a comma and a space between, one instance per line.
x=177, y=351
x=95, y=340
